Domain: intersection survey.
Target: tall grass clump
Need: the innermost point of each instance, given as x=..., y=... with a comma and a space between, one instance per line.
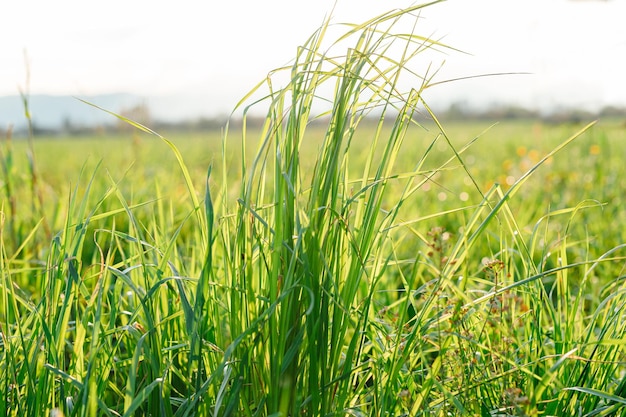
x=306, y=251
x=319, y=279
x=343, y=307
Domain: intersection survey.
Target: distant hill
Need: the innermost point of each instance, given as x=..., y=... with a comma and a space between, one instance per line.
x=55, y=112
x=52, y=112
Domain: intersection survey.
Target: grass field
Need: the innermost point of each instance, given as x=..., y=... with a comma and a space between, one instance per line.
x=347, y=267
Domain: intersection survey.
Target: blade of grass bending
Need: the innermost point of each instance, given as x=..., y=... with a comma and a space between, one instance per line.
x=394, y=14
x=598, y=393
x=173, y=148
x=471, y=77
x=456, y=153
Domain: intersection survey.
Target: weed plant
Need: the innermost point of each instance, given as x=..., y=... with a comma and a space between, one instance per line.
x=355, y=268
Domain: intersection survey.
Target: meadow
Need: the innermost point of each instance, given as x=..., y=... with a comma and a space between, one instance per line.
x=369, y=261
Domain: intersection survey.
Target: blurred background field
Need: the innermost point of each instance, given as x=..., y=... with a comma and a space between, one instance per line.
x=590, y=167
x=589, y=172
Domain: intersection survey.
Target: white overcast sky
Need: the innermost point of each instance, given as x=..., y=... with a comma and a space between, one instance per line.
x=575, y=49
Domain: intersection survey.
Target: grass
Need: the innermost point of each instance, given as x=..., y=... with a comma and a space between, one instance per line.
x=343, y=267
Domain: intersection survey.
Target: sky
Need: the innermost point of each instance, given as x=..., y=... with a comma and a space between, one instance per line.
x=217, y=50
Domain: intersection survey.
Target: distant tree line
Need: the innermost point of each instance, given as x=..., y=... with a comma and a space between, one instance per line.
x=460, y=112
x=140, y=113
